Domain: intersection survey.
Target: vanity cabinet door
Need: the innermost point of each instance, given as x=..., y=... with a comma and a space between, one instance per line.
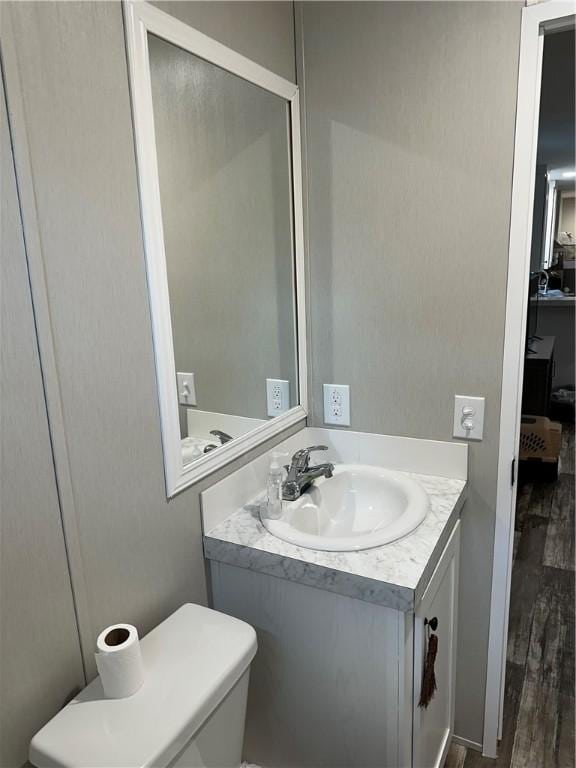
x=433, y=726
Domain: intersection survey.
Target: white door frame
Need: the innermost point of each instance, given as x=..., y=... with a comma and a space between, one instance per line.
x=553, y=14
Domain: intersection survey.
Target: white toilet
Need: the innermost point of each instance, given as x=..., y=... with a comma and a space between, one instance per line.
x=189, y=713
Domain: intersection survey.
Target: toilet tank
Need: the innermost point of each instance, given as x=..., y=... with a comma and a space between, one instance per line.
x=189, y=713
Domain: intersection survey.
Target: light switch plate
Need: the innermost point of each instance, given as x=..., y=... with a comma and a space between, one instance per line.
x=337, y=404
x=277, y=396
x=186, y=388
x=468, y=417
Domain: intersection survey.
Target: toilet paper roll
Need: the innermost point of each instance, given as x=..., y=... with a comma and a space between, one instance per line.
x=119, y=661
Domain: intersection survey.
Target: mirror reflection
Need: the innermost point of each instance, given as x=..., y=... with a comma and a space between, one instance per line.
x=223, y=149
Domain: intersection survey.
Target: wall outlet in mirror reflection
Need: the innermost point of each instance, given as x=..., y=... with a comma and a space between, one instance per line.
x=277, y=396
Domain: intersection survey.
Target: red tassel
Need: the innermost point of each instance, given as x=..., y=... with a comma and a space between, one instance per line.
x=428, y=676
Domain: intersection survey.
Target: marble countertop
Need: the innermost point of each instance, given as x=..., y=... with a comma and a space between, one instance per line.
x=393, y=575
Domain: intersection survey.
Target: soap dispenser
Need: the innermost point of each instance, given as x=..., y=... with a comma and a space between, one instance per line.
x=275, y=480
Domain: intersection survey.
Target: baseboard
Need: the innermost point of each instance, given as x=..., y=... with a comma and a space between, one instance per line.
x=467, y=743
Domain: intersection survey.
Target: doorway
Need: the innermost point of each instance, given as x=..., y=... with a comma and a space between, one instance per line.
x=510, y=716
x=538, y=712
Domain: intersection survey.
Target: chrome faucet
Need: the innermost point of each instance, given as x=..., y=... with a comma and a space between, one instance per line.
x=224, y=437
x=301, y=475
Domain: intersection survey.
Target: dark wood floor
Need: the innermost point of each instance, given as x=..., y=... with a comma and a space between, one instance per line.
x=539, y=699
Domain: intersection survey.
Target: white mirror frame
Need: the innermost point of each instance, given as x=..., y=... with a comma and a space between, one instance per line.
x=140, y=19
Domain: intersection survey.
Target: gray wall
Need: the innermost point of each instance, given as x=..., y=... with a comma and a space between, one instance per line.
x=137, y=557
x=225, y=186
x=262, y=31
x=40, y=661
x=556, y=139
x=409, y=207
x=410, y=127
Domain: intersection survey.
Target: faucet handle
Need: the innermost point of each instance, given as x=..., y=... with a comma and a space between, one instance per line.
x=302, y=457
x=224, y=437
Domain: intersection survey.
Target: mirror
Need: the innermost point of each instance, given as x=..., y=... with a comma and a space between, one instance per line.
x=218, y=159
x=223, y=153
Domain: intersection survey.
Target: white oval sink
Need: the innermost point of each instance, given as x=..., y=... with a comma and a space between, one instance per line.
x=360, y=507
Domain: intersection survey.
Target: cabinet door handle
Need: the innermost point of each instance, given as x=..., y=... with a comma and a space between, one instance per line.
x=432, y=623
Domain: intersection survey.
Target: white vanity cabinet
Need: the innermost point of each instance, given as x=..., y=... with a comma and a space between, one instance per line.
x=336, y=680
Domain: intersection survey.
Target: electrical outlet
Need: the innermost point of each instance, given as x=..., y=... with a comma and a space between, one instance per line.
x=337, y=404
x=277, y=396
x=468, y=417
x=186, y=388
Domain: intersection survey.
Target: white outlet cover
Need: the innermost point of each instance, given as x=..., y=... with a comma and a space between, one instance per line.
x=277, y=396
x=337, y=404
x=475, y=417
x=186, y=388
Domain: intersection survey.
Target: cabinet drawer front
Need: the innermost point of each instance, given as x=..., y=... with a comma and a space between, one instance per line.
x=433, y=726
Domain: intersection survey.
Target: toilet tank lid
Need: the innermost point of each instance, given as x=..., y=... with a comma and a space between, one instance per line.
x=191, y=661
